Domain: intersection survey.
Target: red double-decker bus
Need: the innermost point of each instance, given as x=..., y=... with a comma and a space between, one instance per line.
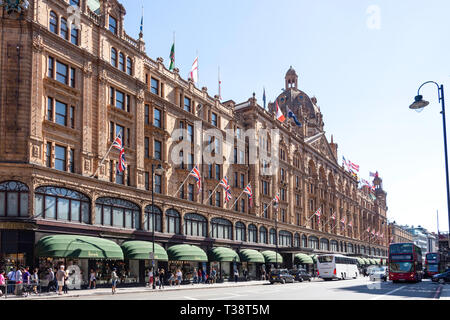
x=405, y=262
x=434, y=264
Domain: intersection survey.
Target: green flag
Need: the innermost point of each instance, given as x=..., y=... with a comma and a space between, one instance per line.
x=172, y=57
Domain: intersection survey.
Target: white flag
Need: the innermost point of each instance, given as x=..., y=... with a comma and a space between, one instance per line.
x=194, y=71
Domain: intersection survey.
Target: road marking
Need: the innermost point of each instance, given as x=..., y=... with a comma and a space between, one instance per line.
x=438, y=292
x=230, y=295
x=190, y=298
x=390, y=292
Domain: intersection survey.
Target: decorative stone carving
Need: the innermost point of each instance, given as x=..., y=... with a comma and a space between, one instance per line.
x=140, y=96
x=38, y=43
x=87, y=68
x=87, y=165
x=36, y=151
x=103, y=76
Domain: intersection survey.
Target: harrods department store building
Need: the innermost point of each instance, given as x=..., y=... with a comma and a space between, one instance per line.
x=66, y=93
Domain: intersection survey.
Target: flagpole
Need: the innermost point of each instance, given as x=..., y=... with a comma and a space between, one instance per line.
x=174, y=50
x=182, y=184
x=211, y=194
x=104, y=158
x=264, y=211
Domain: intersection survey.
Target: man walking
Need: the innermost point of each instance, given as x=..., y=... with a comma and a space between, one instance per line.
x=11, y=280
x=161, y=276
x=236, y=275
x=60, y=276
x=18, y=291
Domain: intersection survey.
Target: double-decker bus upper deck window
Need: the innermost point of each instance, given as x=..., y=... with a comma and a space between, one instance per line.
x=401, y=257
x=326, y=259
x=401, y=248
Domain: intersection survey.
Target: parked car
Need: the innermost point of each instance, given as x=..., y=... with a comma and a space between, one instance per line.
x=380, y=273
x=281, y=276
x=300, y=275
x=442, y=277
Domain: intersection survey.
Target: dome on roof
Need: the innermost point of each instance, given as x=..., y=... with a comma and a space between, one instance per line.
x=291, y=72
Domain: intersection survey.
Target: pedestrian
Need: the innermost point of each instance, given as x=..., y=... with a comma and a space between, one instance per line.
x=150, y=277
x=66, y=282
x=245, y=274
x=161, y=276
x=199, y=275
x=263, y=277
x=213, y=275
x=195, y=278
x=11, y=280
x=236, y=275
x=19, y=282
x=179, y=277
x=35, y=280
x=2, y=282
x=60, y=276
x=26, y=277
x=171, y=278
x=55, y=281
x=114, y=278
x=50, y=279
x=92, y=279
x=203, y=276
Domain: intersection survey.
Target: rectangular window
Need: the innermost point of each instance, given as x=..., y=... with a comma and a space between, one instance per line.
x=113, y=25
x=111, y=131
x=111, y=171
x=48, y=155
x=51, y=65
x=72, y=117
x=128, y=137
x=158, y=185
x=243, y=205
x=158, y=150
x=111, y=96
x=218, y=172
x=120, y=100
x=154, y=86
x=147, y=114
x=214, y=119
x=147, y=181
x=236, y=180
x=190, y=130
x=60, y=158
x=61, y=72
x=120, y=177
x=187, y=104
x=72, y=77
x=147, y=147
x=210, y=171
x=191, y=192
x=61, y=113
x=120, y=130
x=157, y=118
x=191, y=161
x=74, y=35
x=50, y=109
x=71, y=161
x=242, y=181
x=217, y=199
x=128, y=103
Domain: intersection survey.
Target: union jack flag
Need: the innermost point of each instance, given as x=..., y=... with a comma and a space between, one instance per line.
x=122, y=165
x=318, y=213
x=350, y=224
x=196, y=174
x=374, y=175
x=373, y=232
x=334, y=216
x=224, y=183
x=377, y=234
x=343, y=221
x=248, y=191
x=118, y=142
x=228, y=195
x=368, y=230
x=276, y=200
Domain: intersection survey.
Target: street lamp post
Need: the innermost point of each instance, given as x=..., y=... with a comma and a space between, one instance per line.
x=419, y=104
x=276, y=237
x=158, y=170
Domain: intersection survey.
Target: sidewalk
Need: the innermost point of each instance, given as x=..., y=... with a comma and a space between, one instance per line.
x=107, y=291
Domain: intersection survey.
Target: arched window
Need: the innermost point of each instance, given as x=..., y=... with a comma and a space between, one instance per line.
x=297, y=241
x=314, y=243
x=285, y=239
x=221, y=229
x=117, y=213
x=324, y=245
x=173, y=220
x=263, y=235
x=363, y=250
x=195, y=225
x=64, y=31
x=272, y=237
x=121, y=62
x=13, y=199
x=334, y=246
x=350, y=248
x=304, y=241
x=252, y=233
x=74, y=34
x=150, y=216
x=378, y=253
x=240, y=232
x=129, y=66
x=114, y=57
x=62, y=204
x=53, y=22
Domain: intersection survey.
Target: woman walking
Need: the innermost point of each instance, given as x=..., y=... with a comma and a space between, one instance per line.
x=114, y=279
x=161, y=276
x=92, y=279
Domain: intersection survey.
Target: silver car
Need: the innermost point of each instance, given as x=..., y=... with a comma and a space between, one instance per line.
x=380, y=273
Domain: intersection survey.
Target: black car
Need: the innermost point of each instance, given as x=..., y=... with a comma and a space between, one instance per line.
x=442, y=278
x=300, y=275
x=281, y=276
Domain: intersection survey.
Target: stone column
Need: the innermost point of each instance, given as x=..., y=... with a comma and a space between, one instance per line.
x=139, y=141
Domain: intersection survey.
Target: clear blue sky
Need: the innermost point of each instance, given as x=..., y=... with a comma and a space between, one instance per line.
x=364, y=79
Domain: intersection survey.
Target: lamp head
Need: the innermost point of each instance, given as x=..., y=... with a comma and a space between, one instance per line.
x=419, y=104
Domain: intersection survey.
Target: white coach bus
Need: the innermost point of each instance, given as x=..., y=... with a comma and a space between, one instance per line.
x=336, y=266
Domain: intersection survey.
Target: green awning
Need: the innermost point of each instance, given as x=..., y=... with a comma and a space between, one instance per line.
x=186, y=252
x=251, y=256
x=78, y=247
x=140, y=250
x=373, y=261
x=313, y=257
x=221, y=254
x=367, y=261
x=302, y=258
x=361, y=261
x=272, y=257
